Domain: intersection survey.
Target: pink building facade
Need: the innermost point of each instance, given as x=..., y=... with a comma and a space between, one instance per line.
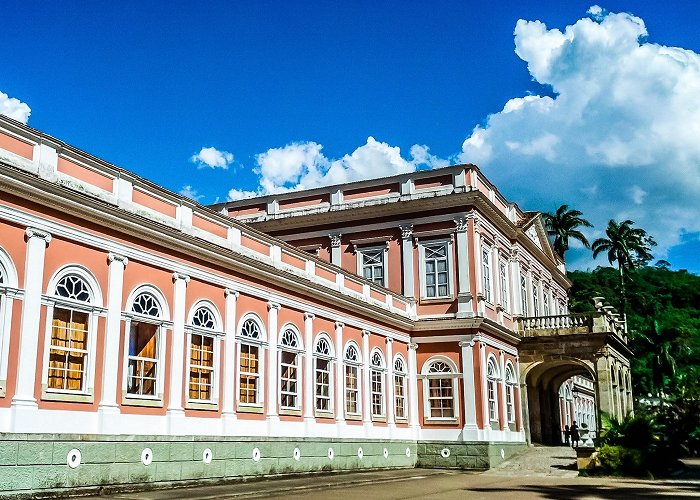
x=375, y=319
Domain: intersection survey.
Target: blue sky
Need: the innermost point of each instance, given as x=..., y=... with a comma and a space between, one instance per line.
x=288, y=94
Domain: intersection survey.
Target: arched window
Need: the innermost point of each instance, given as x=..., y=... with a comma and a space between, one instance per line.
x=376, y=372
x=486, y=272
x=535, y=299
x=204, y=332
x=144, y=359
x=492, y=377
x=289, y=368
x=323, y=374
x=71, y=334
x=510, y=393
x=440, y=389
x=523, y=295
x=400, y=387
x=249, y=362
x=352, y=380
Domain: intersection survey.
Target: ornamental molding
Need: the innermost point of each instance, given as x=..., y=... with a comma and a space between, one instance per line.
x=115, y=257
x=406, y=231
x=33, y=232
x=335, y=240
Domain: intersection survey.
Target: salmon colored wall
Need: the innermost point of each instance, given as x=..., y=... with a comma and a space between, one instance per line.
x=325, y=274
x=12, y=240
x=366, y=192
x=84, y=174
x=431, y=182
x=479, y=396
x=293, y=260
x=304, y=201
x=235, y=212
x=61, y=253
x=16, y=146
x=13, y=354
x=255, y=245
x=148, y=201
x=209, y=226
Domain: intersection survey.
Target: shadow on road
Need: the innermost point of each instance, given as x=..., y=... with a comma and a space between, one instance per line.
x=690, y=488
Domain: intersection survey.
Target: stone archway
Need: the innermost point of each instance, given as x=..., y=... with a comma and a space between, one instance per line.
x=541, y=383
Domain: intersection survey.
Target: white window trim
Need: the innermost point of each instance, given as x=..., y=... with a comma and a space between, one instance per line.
x=261, y=344
x=510, y=385
x=454, y=375
x=394, y=400
x=450, y=268
x=384, y=249
x=358, y=366
x=331, y=380
x=93, y=309
x=487, y=272
x=8, y=291
x=381, y=371
x=298, y=362
x=503, y=284
x=496, y=379
x=218, y=335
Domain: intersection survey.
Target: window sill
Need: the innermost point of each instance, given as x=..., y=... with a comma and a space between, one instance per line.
x=436, y=300
x=351, y=416
x=131, y=400
x=201, y=405
x=249, y=409
x=441, y=421
x=290, y=411
x=401, y=420
x=324, y=414
x=379, y=419
x=2, y=388
x=70, y=397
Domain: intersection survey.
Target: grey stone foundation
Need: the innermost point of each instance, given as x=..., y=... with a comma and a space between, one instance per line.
x=464, y=455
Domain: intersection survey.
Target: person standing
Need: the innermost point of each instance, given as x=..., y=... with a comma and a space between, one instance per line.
x=567, y=435
x=574, y=434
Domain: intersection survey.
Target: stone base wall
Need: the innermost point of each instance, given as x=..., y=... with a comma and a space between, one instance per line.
x=464, y=455
x=49, y=465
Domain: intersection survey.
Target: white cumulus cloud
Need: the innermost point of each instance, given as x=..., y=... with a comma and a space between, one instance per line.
x=14, y=108
x=213, y=158
x=190, y=192
x=620, y=138
x=304, y=166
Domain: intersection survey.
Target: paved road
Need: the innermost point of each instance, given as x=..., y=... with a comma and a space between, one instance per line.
x=431, y=484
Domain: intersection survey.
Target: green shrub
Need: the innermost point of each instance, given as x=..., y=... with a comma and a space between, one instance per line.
x=618, y=460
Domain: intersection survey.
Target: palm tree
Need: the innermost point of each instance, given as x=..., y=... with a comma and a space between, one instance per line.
x=563, y=225
x=629, y=246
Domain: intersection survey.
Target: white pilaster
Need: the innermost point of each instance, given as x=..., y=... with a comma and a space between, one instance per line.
x=471, y=428
x=478, y=266
x=390, y=402
x=464, y=295
x=336, y=255
x=407, y=260
x=516, y=307
x=228, y=372
x=496, y=280
x=413, y=390
x=484, y=389
x=366, y=383
x=110, y=363
x=272, y=364
x=502, y=383
x=339, y=377
x=37, y=241
x=308, y=375
x=531, y=295
x=177, y=358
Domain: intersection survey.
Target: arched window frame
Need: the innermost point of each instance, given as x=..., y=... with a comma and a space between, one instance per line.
x=353, y=382
x=289, y=369
x=448, y=380
x=323, y=376
x=248, y=346
x=197, y=339
x=91, y=308
x=377, y=371
x=133, y=321
x=493, y=378
x=511, y=382
x=8, y=293
x=400, y=388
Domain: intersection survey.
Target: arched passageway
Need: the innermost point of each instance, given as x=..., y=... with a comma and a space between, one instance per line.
x=543, y=381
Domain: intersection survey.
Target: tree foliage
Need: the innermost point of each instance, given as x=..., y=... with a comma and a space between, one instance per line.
x=563, y=225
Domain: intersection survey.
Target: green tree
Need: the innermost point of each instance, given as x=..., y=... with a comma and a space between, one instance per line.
x=565, y=224
x=627, y=246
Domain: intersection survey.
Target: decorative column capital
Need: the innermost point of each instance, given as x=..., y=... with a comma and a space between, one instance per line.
x=365, y=333
x=339, y=324
x=412, y=346
x=180, y=276
x=115, y=257
x=335, y=239
x=406, y=231
x=461, y=224
x=33, y=232
x=309, y=315
x=273, y=305
x=389, y=340
x=514, y=254
x=467, y=343
x=231, y=291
